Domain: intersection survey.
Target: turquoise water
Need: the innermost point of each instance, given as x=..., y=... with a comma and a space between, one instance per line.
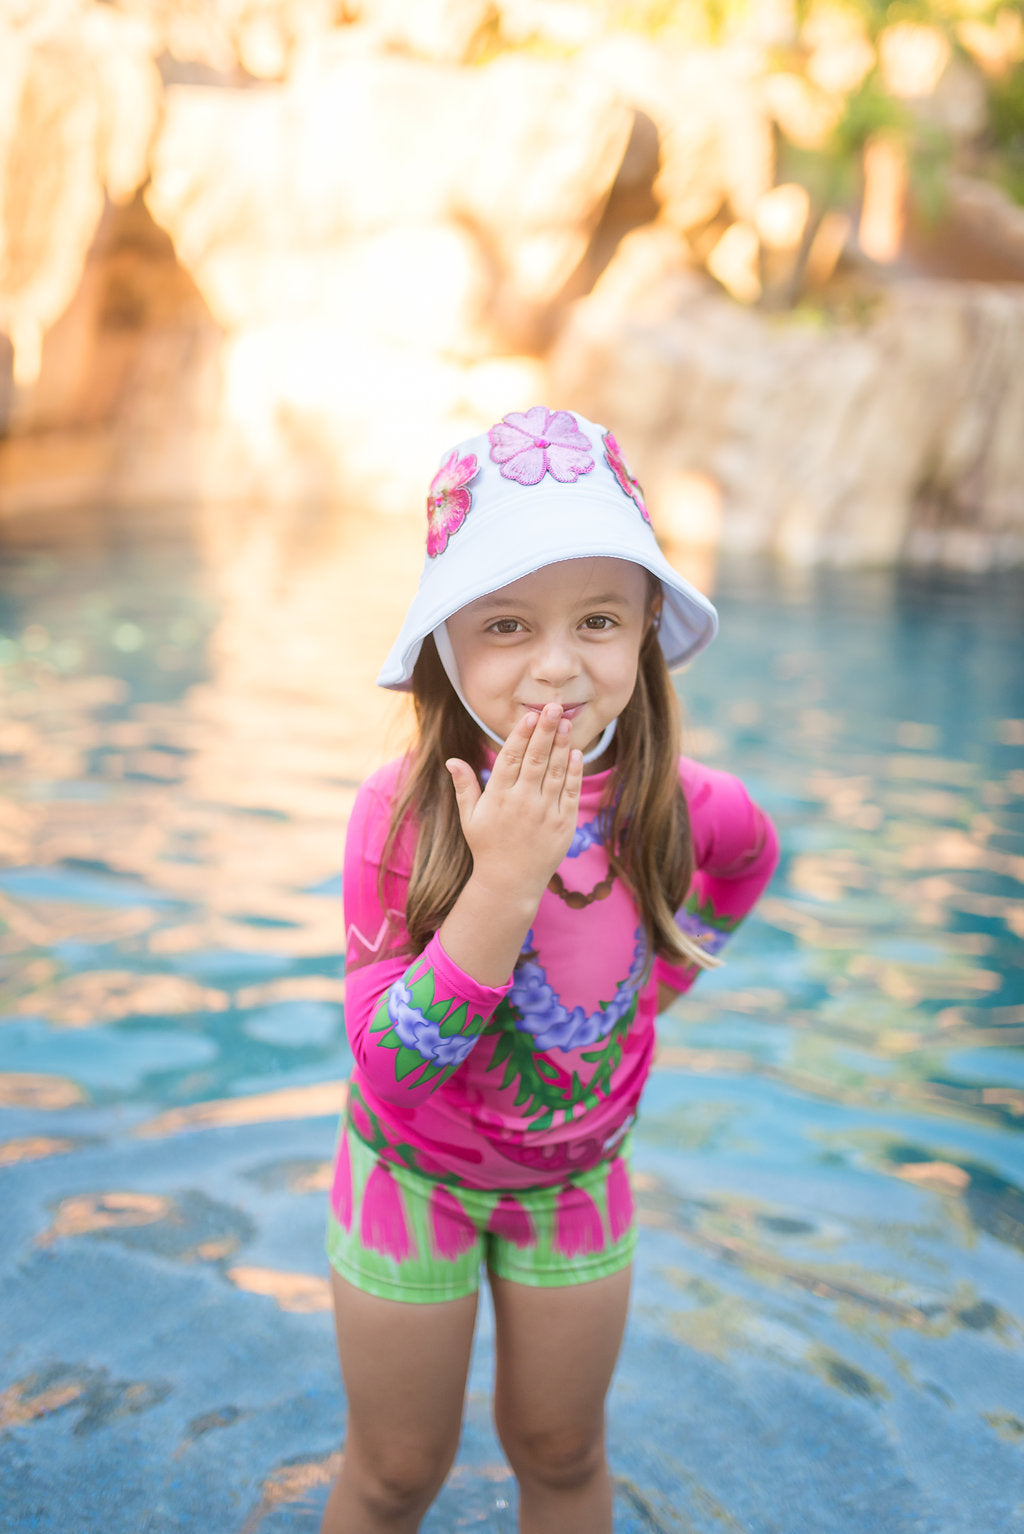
x=827, y=1327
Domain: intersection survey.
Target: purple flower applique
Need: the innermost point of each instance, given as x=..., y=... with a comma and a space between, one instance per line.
x=419, y=1033
x=448, y=500
x=534, y=999
x=711, y=939
x=526, y=445
x=593, y=833
x=627, y=484
x=550, y=1024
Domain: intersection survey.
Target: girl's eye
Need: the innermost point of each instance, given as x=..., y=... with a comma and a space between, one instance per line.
x=505, y=626
x=598, y=621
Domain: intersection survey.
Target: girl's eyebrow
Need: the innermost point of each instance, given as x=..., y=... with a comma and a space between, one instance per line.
x=494, y=603
x=610, y=599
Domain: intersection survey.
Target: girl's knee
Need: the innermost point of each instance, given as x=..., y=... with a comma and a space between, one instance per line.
x=560, y=1460
x=399, y=1483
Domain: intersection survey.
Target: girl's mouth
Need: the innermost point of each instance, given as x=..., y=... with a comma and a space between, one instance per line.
x=569, y=710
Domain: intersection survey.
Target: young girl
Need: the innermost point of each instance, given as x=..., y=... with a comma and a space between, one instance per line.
x=523, y=892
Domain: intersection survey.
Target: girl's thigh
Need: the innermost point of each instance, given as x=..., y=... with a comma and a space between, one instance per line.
x=404, y=1368
x=555, y=1352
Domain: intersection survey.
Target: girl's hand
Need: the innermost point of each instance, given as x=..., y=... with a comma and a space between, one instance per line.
x=519, y=827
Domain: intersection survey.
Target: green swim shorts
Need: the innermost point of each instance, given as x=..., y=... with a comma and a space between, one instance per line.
x=402, y=1236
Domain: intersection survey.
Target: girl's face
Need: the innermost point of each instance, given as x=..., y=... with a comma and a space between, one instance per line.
x=570, y=633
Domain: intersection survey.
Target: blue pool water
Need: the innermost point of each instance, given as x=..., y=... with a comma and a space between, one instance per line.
x=827, y=1324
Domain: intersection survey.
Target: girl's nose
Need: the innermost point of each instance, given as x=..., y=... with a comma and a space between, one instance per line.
x=555, y=660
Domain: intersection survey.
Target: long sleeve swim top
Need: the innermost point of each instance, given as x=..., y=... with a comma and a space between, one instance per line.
x=519, y=1085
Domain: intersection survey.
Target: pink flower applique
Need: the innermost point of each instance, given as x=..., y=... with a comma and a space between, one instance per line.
x=627, y=484
x=448, y=500
x=526, y=445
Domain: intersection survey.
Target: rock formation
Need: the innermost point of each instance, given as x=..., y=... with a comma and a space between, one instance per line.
x=264, y=250
x=898, y=437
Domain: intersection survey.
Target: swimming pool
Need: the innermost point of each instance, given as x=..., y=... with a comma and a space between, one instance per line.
x=826, y=1332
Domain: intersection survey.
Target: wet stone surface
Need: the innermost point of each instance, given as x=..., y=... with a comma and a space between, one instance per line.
x=827, y=1324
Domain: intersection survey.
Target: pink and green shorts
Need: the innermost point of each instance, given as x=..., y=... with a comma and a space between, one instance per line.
x=402, y=1236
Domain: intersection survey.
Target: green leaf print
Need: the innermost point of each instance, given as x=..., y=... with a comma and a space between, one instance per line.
x=381, y=1019
x=407, y=1061
x=704, y=911
x=543, y=1090
x=423, y=997
x=455, y=1022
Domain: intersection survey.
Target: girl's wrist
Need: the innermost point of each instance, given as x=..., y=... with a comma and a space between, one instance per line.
x=485, y=929
x=502, y=902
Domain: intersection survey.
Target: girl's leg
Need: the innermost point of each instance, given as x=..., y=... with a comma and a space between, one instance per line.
x=556, y=1350
x=404, y=1367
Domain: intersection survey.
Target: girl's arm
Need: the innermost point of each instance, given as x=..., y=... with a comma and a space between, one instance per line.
x=519, y=828
x=736, y=850
x=410, y=1025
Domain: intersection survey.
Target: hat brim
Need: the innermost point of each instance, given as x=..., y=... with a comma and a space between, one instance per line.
x=577, y=521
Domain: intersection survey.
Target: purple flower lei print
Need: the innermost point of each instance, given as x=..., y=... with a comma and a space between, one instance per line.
x=553, y=1026
x=448, y=500
x=419, y=1033
x=526, y=445
x=712, y=939
x=627, y=484
x=591, y=834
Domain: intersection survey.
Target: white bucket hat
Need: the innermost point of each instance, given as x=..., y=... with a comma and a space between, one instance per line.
x=540, y=487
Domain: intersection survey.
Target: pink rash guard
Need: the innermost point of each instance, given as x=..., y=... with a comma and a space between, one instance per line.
x=519, y=1085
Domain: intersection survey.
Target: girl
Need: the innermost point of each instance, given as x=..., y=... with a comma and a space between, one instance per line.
x=523, y=892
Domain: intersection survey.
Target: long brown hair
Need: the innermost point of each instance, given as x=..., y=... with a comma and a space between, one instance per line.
x=649, y=844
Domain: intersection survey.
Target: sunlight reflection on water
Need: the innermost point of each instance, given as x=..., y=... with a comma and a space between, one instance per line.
x=836, y=1114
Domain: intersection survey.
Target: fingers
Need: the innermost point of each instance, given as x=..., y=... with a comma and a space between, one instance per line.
x=573, y=785
x=466, y=785
x=526, y=815
x=537, y=742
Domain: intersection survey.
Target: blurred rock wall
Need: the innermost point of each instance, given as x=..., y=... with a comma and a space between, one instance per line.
x=279, y=250
x=825, y=443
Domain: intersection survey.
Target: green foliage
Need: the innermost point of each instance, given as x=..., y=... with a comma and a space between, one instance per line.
x=868, y=110
x=1006, y=119
x=832, y=174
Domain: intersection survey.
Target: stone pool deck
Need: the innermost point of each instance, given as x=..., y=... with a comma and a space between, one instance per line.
x=167, y=1360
